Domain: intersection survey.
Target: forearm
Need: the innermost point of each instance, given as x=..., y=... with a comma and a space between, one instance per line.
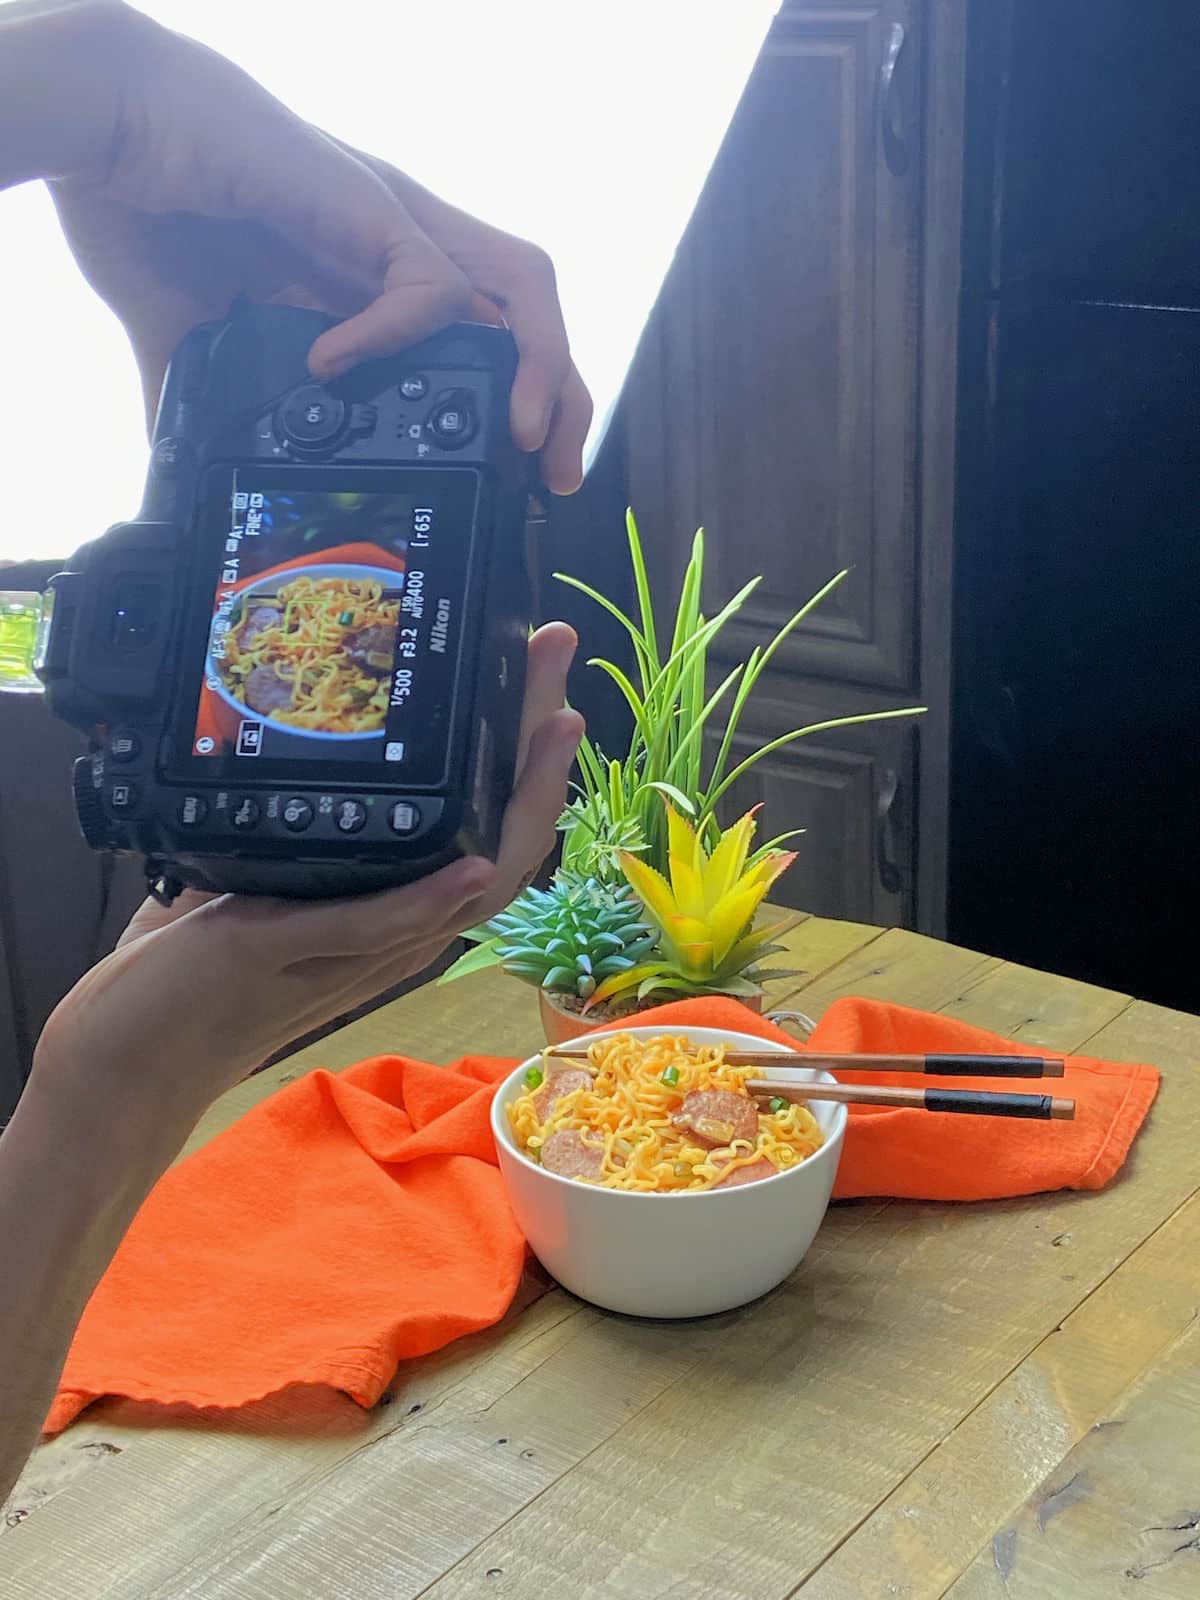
x=73, y=1173
x=60, y=85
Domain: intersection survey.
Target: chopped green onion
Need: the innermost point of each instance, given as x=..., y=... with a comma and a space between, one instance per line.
x=671, y=1077
x=533, y=1077
x=777, y=1103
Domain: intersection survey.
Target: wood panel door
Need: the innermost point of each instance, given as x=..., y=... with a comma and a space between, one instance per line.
x=794, y=393
x=779, y=385
x=852, y=791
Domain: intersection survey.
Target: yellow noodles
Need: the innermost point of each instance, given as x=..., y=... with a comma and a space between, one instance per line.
x=320, y=652
x=627, y=1113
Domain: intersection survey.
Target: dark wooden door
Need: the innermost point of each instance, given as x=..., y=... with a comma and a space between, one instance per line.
x=852, y=791
x=776, y=401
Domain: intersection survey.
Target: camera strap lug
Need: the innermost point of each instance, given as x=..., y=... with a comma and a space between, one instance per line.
x=162, y=886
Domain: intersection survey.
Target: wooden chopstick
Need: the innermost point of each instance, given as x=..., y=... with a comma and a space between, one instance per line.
x=971, y=1102
x=940, y=1066
x=798, y=1086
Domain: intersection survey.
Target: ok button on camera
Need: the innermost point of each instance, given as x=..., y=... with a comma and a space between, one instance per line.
x=311, y=418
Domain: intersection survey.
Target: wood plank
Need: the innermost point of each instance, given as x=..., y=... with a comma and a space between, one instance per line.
x=201, y=1460
x=927, y=1530
x=1023, y=1296
x=901, y=966
x=488, y=1012
x=226, y=1467
x=815, y=947
x=1036, y=1008
x=120, y=1529
x=90, y=1442
x=974, y=1289
x=112, y=1428
x=934, y=1523
x=1121, y=1515
x=871, y=1269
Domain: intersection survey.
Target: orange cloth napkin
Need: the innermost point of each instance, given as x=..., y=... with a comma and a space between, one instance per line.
x=355, y=1220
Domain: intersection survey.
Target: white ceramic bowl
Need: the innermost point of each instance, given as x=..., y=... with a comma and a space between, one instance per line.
x=682, y=1255
x=272, y=581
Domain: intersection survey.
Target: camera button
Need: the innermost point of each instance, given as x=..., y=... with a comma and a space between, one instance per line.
x=452, y=421
x=169, y=457
x=124, y=746
x=350, y=816
x=310, y=416
x=193, y=809
x=297, y=814
x=244, y=813
x=123, y=795
x=404, y=818
x=413, y=386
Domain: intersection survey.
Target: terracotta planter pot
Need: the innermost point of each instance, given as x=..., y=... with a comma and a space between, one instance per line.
x=559, y=1024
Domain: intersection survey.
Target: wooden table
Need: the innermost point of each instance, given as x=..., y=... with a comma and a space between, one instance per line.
x=991, y=1400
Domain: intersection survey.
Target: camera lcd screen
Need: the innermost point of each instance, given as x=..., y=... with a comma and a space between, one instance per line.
x=333, y=637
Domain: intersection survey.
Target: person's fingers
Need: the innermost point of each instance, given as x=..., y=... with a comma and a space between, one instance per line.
x=562, y=454
x=322, y=971
x=424, y=292
x=550, y=653
x=531, y=820
x=523, y=285
x=295, y=932
x=320, y=197
x=388, y=925
x=519, y=279
x=482, y=309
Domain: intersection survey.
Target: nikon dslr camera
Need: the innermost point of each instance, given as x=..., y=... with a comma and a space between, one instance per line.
x=302, y=666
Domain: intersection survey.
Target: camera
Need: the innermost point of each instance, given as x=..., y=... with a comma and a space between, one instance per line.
x=301, y=668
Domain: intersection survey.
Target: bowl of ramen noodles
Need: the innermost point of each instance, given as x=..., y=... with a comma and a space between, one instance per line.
x=649, y=1181
x=311, y=651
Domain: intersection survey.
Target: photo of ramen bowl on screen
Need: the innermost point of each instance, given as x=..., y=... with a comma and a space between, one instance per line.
x=310, y=651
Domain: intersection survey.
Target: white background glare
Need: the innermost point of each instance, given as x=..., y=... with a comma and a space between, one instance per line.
x=589, y=128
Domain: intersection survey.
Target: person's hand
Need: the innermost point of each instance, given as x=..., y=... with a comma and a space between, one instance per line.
x=198, y=995
x=203, y=187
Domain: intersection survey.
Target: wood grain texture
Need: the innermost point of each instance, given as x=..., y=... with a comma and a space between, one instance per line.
x=899, y=964
x=935, y=1521
x=1121, y=1514
x=943, y=47
x=782, y=398
x=575, y=1454
x=831, y=782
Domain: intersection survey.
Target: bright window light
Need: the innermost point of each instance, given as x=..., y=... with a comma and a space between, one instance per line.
x=589, y=128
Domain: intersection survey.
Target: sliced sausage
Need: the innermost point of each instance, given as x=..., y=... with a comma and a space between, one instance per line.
x=752, y=1172
x=259, y=620
x=372, y=647
x=266, y=691
x=718, y=1117
x=556, y=1086
x=566, y=1154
